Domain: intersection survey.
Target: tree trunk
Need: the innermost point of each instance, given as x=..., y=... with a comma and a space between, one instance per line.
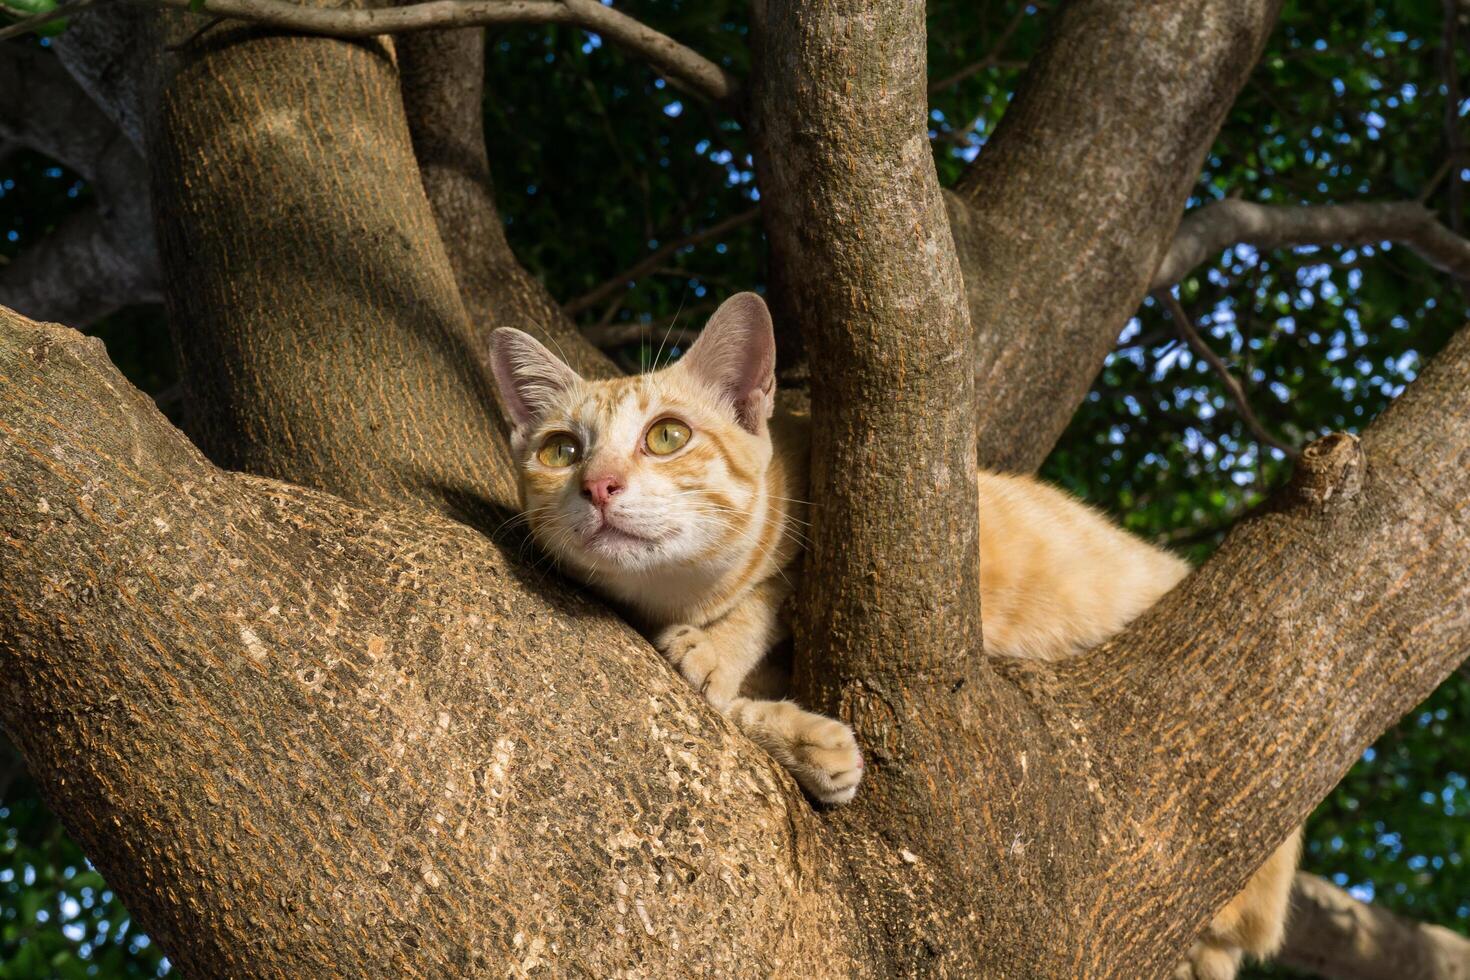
x=319, y=327
x=1063, y=218
x=1333, y=935
x=303, y=735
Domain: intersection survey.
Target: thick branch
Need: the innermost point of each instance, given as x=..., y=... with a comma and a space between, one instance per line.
x=1070, y=205
x=319, y=327
x=306, y=739
x=442, y=77
x=681, y=64
x=889, y=617
x=1226, y=712
x=1217, y=226
x=854, y=215
x=1333, y=935
x=105, y=257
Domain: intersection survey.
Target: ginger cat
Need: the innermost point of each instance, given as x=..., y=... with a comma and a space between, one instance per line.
x=678, y=495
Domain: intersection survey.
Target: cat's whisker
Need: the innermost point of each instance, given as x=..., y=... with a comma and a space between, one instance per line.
x=669, y=332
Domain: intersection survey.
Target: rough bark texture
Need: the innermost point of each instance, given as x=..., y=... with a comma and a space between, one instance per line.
x=1333, y=935
x=332, y=353
x=1064, y=216
x=253, y=704
x=305, y=739
x=853, y=212
x=442, y=74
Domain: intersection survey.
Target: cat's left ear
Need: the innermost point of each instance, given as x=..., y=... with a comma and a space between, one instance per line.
x=529, y=376
x=736, y=352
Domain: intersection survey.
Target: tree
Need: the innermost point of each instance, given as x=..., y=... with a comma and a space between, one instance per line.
x=342, y=657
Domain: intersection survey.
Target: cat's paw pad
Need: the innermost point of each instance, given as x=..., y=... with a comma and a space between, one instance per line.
x=828, y=763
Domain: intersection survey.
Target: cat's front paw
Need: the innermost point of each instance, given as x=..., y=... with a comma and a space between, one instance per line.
x=1207, y=961
x=829, y=763
x=697, y=657
x=820, y=752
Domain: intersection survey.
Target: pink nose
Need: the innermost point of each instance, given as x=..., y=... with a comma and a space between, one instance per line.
x=601, y=489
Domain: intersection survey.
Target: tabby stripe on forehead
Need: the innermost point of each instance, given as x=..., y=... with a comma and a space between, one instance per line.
x=740, y=471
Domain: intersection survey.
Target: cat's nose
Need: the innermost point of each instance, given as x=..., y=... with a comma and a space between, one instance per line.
x=601, y=489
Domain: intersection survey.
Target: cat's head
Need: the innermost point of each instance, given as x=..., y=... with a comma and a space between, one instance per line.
x=644, y=474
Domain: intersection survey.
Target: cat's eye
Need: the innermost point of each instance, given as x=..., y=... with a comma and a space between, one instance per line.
x=666, y=436
x=560, y=449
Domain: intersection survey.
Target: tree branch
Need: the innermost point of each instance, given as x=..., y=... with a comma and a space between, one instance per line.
x=270, y=672
x=1213, y=228
x=441, y=76
x=1190, y=335
x=1333, y=935
x=992, y=56
x=680, y=64
x=1125, y=106
x=610, y=335
x=610, y=287
x=1305, y=615
x=103, y=258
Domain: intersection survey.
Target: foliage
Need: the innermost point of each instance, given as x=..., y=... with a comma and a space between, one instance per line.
x=597, y=161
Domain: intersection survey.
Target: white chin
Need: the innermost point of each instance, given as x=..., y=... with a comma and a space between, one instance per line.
x=622, y=550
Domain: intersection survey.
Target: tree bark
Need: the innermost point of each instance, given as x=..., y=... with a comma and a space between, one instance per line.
x=442, y=76
x=305, y=739
x=1064, y=216
x=253, y=704
x=1333, y=935
x=319, y=326
x=890, y=603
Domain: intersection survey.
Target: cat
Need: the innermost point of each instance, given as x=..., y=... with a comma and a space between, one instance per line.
x=678, y=494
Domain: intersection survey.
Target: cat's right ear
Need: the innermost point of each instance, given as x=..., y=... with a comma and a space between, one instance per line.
x=736, y=353
x=529, y=376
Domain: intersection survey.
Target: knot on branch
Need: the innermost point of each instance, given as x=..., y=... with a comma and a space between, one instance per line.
x=1329, y=472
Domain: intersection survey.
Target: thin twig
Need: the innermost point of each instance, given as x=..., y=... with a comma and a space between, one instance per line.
x=682, y=65
x=1202, y=350
x=609, y=335
x=991, y=58
x=610, y=287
